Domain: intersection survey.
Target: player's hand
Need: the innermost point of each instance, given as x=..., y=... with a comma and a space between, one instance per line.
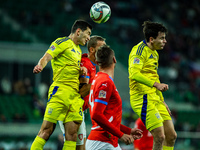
x=167, y=108
x=85, y=90
x=161, y=86
x=83, y=71
x=127, y=139
x=37, y=69
x=136, y=133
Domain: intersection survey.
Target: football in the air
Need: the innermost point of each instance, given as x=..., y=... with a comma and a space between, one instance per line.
x=100, y=12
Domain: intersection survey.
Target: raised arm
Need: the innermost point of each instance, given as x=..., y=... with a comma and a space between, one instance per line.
x=42, y=63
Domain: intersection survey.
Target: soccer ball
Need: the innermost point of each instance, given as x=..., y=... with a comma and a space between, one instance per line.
x=100, y=12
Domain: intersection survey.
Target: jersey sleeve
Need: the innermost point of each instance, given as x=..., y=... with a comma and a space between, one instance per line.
x=125, y=129
x=55, y=49
x=159, y=93
x=101, y=100
x=136, y=62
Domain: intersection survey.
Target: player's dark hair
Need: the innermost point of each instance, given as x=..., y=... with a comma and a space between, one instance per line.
x=104, y=56
x=80, y=24
x=151, y=29
x=93, y=41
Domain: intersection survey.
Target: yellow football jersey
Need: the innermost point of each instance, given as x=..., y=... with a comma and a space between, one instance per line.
x=66, y=61
x=143, y=65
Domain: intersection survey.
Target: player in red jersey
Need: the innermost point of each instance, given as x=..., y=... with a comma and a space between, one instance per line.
x=146, y=142
x=106, y=107
x=88, y=61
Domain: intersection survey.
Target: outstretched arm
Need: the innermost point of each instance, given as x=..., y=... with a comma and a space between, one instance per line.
x=134, y=132
x=42, y=63
x=99, y=118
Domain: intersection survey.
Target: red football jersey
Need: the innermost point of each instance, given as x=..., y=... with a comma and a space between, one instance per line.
x=146, y=142
x=91, y=71
x=105, y=110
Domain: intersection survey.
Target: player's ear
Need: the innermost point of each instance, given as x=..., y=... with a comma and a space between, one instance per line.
x=151, y=39
x=92, y=49
x=114, y=60
x=78, y=31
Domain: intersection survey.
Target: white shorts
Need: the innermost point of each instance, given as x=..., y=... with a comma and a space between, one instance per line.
x=98, y=145
x=81, y=131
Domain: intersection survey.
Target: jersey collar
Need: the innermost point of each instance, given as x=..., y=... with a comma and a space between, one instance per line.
x=93, y=63
x=144, y=42
x=111, y=78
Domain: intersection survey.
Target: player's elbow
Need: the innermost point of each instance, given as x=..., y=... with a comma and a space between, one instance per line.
x=96, y=117
x=135, y=75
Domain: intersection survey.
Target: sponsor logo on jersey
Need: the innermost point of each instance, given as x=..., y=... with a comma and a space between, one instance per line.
x=136, y=61
x=102, y=94
x=78, y=52
x=52, y=47
x=151, y=56
x=104, y=84
x=73, y=50
x=154, y=57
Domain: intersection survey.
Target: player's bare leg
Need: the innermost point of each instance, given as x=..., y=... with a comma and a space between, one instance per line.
x=46, y=130
x=158, y=138
x=170, y=133
x=71, y=129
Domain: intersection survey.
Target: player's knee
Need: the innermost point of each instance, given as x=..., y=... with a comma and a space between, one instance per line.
x=71, y=136
x=159, y=138
x=45, y=134
x=175, y=136
x=72, y=131
x=172, y=137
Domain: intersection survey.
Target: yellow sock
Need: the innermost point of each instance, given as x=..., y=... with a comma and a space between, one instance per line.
x=168, y=148
x=38, y=143
x=69, y=145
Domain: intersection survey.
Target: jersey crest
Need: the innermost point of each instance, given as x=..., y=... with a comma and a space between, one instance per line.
x=136, y=60
x=52, y=47
x=80, y=136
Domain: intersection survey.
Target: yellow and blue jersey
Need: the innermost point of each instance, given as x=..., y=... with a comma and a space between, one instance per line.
x=66, y=62
x=143, y=65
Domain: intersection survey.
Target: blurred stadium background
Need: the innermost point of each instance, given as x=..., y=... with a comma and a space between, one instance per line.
x=27, y=28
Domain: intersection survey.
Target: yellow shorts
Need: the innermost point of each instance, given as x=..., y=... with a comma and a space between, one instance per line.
x=64, y=104
x=150, y=109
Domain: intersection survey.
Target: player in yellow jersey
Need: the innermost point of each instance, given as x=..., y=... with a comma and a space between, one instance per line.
x=64, y=101
x=146, y=90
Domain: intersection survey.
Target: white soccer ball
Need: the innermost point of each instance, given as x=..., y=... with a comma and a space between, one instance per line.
x=100, y=12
